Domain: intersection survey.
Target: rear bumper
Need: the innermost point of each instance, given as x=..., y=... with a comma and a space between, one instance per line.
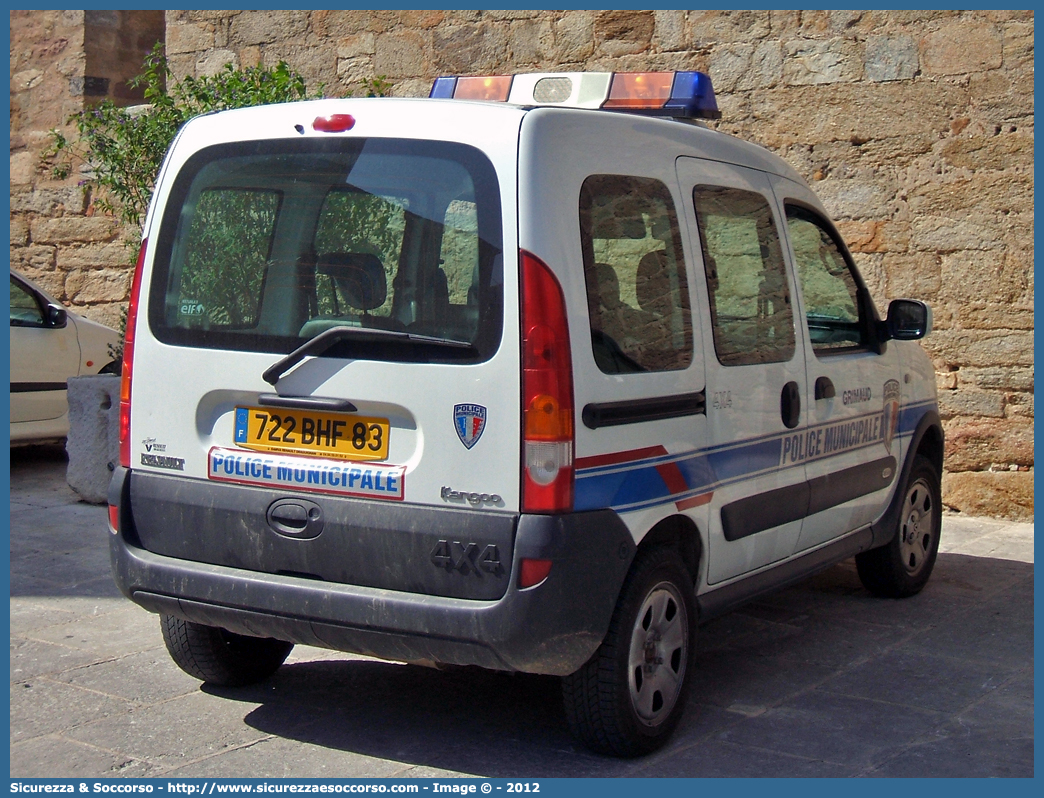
x=552, y=628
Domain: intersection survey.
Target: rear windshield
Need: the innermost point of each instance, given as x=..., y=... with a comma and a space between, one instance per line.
x=264, y=245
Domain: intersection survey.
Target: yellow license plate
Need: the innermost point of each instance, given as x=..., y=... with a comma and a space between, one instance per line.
x=340, y=435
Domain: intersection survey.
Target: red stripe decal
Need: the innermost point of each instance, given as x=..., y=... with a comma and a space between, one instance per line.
x=619, y=457
x=695, y=501
x=672, y=477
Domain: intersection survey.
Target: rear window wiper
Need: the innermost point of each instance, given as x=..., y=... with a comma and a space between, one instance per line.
x=328, y=338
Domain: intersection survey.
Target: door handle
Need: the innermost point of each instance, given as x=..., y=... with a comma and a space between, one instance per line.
x=824, y=388
x=790, y=405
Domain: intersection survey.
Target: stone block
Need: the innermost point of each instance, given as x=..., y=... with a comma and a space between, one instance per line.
x=49, y=201
x=262, y=27
x=573, y=36
x=92, y=256
x=93, y=444
x=426, y=19
x=855, y=199
x=744, y=67
x=809, y=63
x=621, y=32
x=957, y=48
x=189, y=37
x=19, y=232
x=1018, y=405
x=529, y=42
x=72, y=228
x=356, y=45
x=947, y=234
x=462, y=49
x=982, y=278
x=32, y=259
x=1004, y=378
x=976, y=444
x=916, y=276
x=981, y=347
x=970, y=402
x=979, y=316
x=997, y=494
x=1001, y=152
x=716, y=27
x=669, y=30
x=890, y=58
x=213, y=61
x=23, y=168
x=406, y=54
x=105, y=285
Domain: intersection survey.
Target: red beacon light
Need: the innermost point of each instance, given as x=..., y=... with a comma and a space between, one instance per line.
x=683, y=95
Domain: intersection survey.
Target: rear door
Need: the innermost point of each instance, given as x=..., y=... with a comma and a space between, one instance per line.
x=401, y=253
x=756, y=386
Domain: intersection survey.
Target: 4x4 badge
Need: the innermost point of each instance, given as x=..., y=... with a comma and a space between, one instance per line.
x=469, y=421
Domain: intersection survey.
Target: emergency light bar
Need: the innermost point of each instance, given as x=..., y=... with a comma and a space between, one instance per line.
x=686, y=95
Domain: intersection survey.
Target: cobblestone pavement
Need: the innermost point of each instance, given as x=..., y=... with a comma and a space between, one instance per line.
x=817, y=680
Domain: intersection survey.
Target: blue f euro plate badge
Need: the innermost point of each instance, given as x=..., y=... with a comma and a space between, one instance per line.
x=469, y=421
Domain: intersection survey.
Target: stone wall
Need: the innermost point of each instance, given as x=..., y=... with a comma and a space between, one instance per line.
x=915, y=128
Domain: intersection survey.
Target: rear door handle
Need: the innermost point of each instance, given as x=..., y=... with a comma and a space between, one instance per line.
x=790, y=405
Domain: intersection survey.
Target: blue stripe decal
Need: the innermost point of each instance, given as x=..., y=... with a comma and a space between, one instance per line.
x=638, y=484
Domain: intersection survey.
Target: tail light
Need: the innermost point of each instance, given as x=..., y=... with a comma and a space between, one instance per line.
x=128, y=359
x=547, y=392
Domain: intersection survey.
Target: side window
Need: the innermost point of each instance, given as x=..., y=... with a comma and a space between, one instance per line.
x=751, y=315
x=25, y=310
x=634, y=269
x=226, y=256
x=829, y=287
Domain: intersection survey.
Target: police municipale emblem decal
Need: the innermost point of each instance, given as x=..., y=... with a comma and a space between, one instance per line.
x=891, y=412
x=469, y=421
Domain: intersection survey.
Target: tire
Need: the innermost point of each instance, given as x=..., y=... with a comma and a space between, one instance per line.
x=631, y=694
x=902, y=567
x=220, y=657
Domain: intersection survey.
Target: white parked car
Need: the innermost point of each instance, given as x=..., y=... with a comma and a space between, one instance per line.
x=48, y=346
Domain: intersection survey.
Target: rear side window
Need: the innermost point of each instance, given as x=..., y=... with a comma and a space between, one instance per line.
x=751, y=315
x=264, y=245
x=634, y=269
x=226, y=253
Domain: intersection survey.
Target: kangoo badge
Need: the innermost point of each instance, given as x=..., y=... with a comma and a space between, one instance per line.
x=469, y=421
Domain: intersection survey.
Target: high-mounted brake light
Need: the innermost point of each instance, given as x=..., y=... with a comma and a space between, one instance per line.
x=128, y=358
x=334, y=123
x=547, y=392
x=686, y=95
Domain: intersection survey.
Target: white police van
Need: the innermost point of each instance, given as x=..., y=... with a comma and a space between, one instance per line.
x=535, y=374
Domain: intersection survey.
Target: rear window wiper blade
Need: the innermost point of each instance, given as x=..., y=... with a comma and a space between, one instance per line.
x=328, y=338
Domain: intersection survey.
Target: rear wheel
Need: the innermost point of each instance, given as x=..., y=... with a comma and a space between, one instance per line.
x=220, y=657
x=628, y=698
x=902, y=568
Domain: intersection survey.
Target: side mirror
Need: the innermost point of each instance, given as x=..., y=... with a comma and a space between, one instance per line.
x=908, y=320
x=56, y=316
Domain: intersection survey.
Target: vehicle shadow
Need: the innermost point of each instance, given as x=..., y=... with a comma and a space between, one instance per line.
x=761, y=661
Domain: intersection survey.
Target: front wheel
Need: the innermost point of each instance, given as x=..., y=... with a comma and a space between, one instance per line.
x=901, y=568
x=218, y=656
x=630, y=695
